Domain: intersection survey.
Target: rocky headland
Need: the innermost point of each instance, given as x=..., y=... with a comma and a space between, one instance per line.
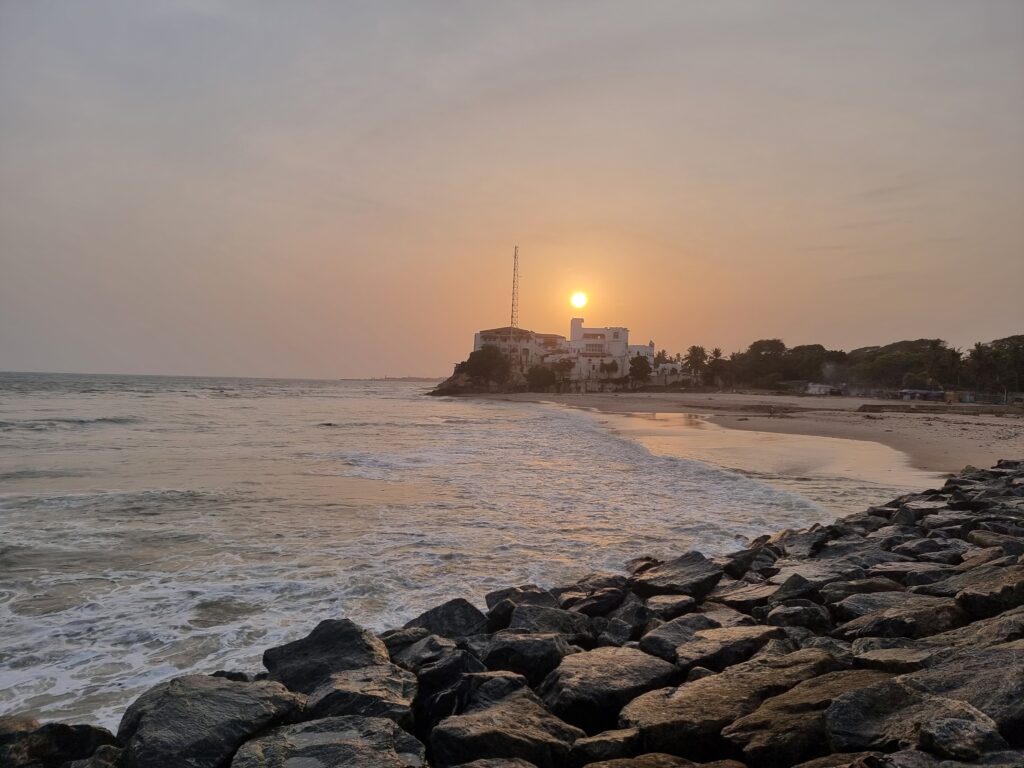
x=892, y=637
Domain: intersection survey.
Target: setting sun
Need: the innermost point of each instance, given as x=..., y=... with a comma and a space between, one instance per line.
x=579, y=299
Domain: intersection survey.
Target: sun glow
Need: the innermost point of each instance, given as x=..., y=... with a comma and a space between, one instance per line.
x=578, y=300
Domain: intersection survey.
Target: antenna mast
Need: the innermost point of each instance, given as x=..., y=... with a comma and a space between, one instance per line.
x=514, y=322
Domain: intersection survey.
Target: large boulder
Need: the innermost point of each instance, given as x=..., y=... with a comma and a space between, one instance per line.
x=688, y=720
x=502, y=602
x=198, y=721
x=501, y=721
x=440, y=687
x=664, y=640
x=721, y=647
x=984, y=591
x=333, y=646
x=790, y=727
x=424, y=652
x=384, y=690
x=367, y=742
x=537, y=619
x=24, y=743
x=532, y=656
x=917, y=616
x=607, y=745
x=454, y=619
x=691, y=574
x=588, y=689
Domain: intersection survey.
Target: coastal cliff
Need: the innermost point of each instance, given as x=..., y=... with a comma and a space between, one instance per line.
x=892, y=637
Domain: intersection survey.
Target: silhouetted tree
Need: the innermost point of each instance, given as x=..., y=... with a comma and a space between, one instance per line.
x=540, y=378
x=639, y=369
x=487, y=363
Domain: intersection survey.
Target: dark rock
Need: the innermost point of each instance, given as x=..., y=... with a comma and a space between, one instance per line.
x=840, y=590
x=912, y=573
x=608, y=745
x=843, y=760
x=24, y=743
x=633, y=612
x=588, y=689
x=813, y=617
x=334, y=646
x=596, y=603
x=502, y=602
x=538, y=619
x=983, y=591
x=691, y=574
x=664, y=640
x=454, y=619
x=737, y=564
x=397, y=640
x=688, y=720
x=819, y=573
x=106, y=756
x=514, y=725
x=985, y=633
x=800, y=544
x=669, y=607
x=855, y=606
x=913, y=758
x=745, y=597
x=617, y=633
x=888, y=715
x=199, y=721
x=790, y=727
x=914, y=618
x=1011, y=545
x=723, y=646
x=438, y=694
x=960, y=739
x=367, y=742
x=650, y=760
x=696, y=673
x=238, y=677
x=422, y=653
x=531, y=655
x=384, y=690
x=498, y=762
x=896, y=660
x=723, y=616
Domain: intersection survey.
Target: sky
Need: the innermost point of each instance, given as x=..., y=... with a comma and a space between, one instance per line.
x=334, y=189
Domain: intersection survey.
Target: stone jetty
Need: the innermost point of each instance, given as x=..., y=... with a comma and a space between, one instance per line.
x=892, y=637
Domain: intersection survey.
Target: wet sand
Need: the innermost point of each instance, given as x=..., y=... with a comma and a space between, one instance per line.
x=933, y=442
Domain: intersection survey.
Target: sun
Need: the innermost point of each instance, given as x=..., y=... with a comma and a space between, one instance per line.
x=578, y=300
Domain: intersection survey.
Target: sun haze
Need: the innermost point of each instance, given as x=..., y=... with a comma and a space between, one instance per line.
x=317, y=189
x=579, y=299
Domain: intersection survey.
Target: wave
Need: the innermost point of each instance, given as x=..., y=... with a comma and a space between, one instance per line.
x=39, y=474
x=65, y=422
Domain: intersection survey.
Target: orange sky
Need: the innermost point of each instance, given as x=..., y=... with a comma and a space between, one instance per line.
x=326, y=189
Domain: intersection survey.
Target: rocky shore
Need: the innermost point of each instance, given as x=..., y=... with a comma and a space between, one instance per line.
x=892, y=637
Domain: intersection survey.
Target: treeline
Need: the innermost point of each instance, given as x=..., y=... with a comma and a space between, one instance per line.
x=993, y=367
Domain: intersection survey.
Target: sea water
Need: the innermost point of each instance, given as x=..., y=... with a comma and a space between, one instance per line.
x=154, y=526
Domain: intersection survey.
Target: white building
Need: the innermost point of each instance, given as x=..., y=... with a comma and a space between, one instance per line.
x=595, y=353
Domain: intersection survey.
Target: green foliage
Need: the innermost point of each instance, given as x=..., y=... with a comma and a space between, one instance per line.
x=695, y=360
x=487, y=364
x=540, y=378
x=661, y=358
x=639, y=369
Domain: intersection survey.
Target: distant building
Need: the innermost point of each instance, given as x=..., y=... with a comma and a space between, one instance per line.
x=588, y=353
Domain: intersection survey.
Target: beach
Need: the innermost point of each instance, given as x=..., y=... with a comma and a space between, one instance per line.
x=933, y=442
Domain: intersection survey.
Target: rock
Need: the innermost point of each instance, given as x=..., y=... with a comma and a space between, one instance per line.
x=813, y=617
x=651, y=760
x=453, y=619
x=855, y=606
x=889, y=715
x=896, y=660
x=502, y=602
x=596, y=603
x=199, y=721
x=819, y=573
x=1011, y=545
x=634, y=613
x=696, y=673
x=912, y=573
x=721, y=647
x=397, y=640
x=745, y=597
x=334, y=646
x=538, y=619
x=608, y=745
x=367, y=742
x=790, y=727
x=724, y=616
x=691, y=574
x=422, y=653
x=532, y=656
x=617, y=633
x=915, y=618
x=842, y=760
x=800, y=544
x=688, y=720
x=384, y=691
x=588, y=689
x=984, y=633
x=912, y=758
x=839, y=590
x=498, y=762
x=960, y=739
x=438, y=694
x=515, y=725
x=664, y=640
x=669, y=607
x=24, y=743
x=991, y=679
x=737, y=564
x=106, y=756
x=983, y=591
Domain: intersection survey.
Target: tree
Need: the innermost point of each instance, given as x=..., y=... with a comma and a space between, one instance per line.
x=610, y=368
x=695, y=360
x=639, y=369
x=487, y=363
x=661, y=358
x=540, y=378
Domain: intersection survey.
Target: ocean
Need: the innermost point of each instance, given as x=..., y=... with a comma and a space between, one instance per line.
x=152, y=526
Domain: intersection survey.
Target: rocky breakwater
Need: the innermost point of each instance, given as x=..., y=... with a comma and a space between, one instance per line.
x=893, y=637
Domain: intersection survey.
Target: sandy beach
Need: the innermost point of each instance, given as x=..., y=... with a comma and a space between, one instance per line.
x=933, y=442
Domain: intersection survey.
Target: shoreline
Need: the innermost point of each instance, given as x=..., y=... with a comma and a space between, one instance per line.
x=933, y=442
x=889, y=637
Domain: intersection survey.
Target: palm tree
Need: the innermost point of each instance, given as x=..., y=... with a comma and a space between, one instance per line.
x=696, y=359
